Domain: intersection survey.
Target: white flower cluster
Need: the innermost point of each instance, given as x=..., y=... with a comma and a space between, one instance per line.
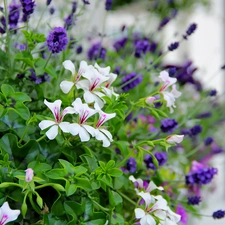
x=96, y=84
x=156, y=207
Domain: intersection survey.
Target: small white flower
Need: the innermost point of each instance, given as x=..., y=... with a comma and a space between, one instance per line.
x=68, y=65
x=102, y=134
x=173, y=139
x=170, y=97
x=57, y=123
x=81, y=128
x=29, y=174
x=7, y=215
x=92, y=86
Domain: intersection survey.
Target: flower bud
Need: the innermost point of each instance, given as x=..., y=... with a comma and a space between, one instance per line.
x=173, y=139
x=29, y=174
x=149, y=100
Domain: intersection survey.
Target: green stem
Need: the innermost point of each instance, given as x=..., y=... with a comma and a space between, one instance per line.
x=37, y=210
x=41, y=138
x=40, y=18
x=127, y=198
x=102, y=208
x=194, y=150
x=24, y=133
x=48, y=60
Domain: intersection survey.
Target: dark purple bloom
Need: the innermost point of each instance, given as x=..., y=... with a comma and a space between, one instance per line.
x=38, y=79
x=163, y=23
x=74, y=7
x=223, y=67
x=172, y=71
x=3, y=25
x=108, y=4
x=213, y=92
x=48, y=2
x=21, y=47
x=173, y=46
x=131, y=83
x=57, y=40
x=195, y=130
x=68, y=22
x=131, y=165
x=141, y=47
x=200, y=176
x=191, y=29
x=20, y=76
x=219, y=214
x=79, y=49
x=14, y=15
x=120, y=43
x=168, y=125
x=28, y=9
x=32, y=76
x=117, y=70
x=86, y=2
x=194, y=200
x=1, y=9
x=51, y=10
x=160, y=156
x=208, y=141
x=204, y=115
x=117, y=150
x=96, y=51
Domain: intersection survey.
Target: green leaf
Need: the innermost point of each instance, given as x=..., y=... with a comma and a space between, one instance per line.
x=114, y=198
x=70, y=188
x=102, y=165
x=56, y=174
x=39, y=200
x=115, y=172
x=110, y=164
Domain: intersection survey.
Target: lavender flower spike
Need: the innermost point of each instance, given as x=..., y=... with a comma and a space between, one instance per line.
x=28, y=9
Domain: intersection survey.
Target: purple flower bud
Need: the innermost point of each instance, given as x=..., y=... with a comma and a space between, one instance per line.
x=208, y=141
x=51, y=10
x=28, y=9
x=131, y=165
x=132, y=84
x=48, y=2
x=213, y=92
x=191, y=29
x=86, y=2
x=194, y=200
x=195, y=130
x=173, y=46
x=219, y=214
x=96, y=51
x=79, y=49
x=120, y=44
x=57, y=40
x=163, y=23
x=74, y=7
x=108, y=4
x=172, y=71
x=168, y=125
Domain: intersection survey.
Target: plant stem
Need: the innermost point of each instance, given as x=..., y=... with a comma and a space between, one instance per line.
x=48, y=60
x=39, y=139
x=24, y=133
x=127, y=198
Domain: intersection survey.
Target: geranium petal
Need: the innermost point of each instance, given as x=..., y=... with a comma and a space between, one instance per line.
x=150, y=220
x=64, y=126
x=107, y=133
x=52, y=132
x=147, y=197
x=89, y=97
x=66, y=86
x=83, y=84
x=74, y=128
x=46, y=123
x=12, y=214
x=103, y=70
x=84, y=135
x=90, y=129
x=139, y=213
x=54, y=106
x=68, y=65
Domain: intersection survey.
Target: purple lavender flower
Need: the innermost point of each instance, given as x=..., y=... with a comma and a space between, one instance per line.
x=108, y=4
x=190, y=30
x=213, y=92
x=132, y=84
x=86, y=2
x=21, y=47
x=79, y=49
x=195, y=130
x=74, y=7
x=194, y=200
x=120, y=43
x=163, y=23
x=160, y=156
x=57, y=40
x=14, y=15
x=51, y=10
x=141, y=47
x=131, y=165
x=208, y=141
x=204, y=115
x=173, y=46
x=48, y=2
x=219, y=214
x=168, y=125
x=38, y=79
x=20, y=76
x=172, y=71
x=68, y=22
x=3, y=25
x=117, y=70
x=96, y=51
x=200, y=176
x=28, y=9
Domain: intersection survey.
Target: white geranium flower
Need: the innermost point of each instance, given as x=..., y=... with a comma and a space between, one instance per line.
x=68, y=65
x=7, y=215
x=102, y=134
x=173, y=139
x=92, y=86
x=57, y=123
x=81, y=128
x=170, y=97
